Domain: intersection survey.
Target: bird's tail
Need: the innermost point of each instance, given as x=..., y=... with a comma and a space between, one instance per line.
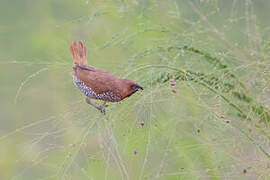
x=78, y=52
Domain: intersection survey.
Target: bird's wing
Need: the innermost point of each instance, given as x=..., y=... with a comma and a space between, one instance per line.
x=98, y=80
x=86, y=67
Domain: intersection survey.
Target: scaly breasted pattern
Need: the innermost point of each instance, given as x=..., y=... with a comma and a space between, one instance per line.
x=95, y=83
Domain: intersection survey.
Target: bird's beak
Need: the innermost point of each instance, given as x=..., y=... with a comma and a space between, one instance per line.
x=139, y=86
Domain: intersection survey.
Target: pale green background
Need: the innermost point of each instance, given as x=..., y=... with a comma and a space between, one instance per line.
x=47, y=131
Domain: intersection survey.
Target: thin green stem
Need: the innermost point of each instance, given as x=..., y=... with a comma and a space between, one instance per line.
x=185, y=73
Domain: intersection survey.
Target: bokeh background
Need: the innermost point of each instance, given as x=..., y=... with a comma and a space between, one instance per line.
x=214, y=124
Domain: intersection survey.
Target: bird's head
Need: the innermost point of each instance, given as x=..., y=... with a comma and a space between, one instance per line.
x=129, y=87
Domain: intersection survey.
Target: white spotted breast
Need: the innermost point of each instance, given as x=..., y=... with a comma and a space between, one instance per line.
x=87, y=91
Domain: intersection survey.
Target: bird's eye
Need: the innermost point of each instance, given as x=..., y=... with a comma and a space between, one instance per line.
x=133, y=86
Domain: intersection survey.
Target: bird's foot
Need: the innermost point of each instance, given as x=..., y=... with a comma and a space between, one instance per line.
x=101, y=108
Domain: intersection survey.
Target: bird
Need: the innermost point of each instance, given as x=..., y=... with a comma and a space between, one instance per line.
x=96, y=83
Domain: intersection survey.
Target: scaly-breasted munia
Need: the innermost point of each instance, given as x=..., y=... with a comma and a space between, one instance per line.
x=95, y=83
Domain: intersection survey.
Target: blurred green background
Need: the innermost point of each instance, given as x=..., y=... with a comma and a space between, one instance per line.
x=215, y=125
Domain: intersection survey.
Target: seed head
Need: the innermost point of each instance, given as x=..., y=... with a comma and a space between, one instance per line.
x=172, y=83
x=228, y=121
x=174, y=91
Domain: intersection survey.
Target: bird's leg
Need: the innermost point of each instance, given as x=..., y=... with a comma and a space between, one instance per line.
x=101, y=108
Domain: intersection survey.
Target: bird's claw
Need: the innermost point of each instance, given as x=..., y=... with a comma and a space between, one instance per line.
x=102, y=109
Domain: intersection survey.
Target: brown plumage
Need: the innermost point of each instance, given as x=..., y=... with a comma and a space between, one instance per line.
x=95, y=83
